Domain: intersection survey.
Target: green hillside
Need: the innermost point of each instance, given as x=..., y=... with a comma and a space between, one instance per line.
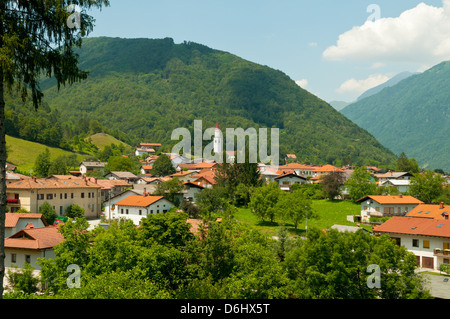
x=411, y=116
x=102, y=139
x=147, y=88
x=23, y=153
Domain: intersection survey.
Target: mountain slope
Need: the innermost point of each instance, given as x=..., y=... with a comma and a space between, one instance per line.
x=391, y=82
x=411, y=116
x=147, y=88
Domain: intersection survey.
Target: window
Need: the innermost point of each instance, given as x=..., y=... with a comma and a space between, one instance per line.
x=65, y=195
x=82, y=195
x=377, y=209
x=40, y=196
x=415, y=243
x=93, y=194
x=71, y=195
x=28, y=259
x=140, y=212
x=60, y=196
x=13, y=258
x=426, y=244
x=127, y=211
x=60, y=210
x=89, y=195
x=49, y=196
x=151, y=211
x=121, y=211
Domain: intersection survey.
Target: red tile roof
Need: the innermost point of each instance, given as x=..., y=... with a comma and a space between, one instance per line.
x=429, y=211
x=328, y=168
x=35, y=238
x=415, y=226
x=389, y=199
x=11, y=219
x=138, y=200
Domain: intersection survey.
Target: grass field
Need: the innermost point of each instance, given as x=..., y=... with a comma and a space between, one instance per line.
x=23, y=153
x=330, y=213
x=102, y=139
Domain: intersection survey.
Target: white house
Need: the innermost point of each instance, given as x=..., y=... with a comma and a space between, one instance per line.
x=427, y=238
x=135, y=207
x=401, y=184
x=126, y=176
x=29, y=244
x=285, y=181
x=386, y=205
x=86, y=167
x=109, y=203
x=190, y=191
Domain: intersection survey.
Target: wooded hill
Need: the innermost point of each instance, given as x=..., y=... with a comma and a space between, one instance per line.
x=411, y=116
x=148, y=87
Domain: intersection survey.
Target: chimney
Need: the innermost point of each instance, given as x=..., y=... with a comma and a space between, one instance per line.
x=441, y=205
x=400, y=196
x=29, y=226
x=34, y=179
x=95, y=180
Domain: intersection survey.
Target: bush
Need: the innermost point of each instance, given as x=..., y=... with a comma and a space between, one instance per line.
x=74, y=211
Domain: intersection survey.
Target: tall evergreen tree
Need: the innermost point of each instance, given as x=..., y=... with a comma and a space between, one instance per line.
x=37, y=38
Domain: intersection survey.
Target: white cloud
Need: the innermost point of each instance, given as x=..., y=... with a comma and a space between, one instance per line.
x=421, y=34
x=312, y=44
x=302, y=83
x=360, y=86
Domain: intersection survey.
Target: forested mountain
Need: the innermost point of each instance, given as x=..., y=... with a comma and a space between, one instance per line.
x=391, y=82
x=411, y=116
x=148, y=87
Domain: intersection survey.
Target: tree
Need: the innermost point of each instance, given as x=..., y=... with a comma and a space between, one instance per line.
x=295, y=207
x=336, y=264
x=332, y=184
x=42, y=164
x=36, y=39
x=427, y=186
x=405, y=164
x=58, y=166
x=212, y=201
x=163, y=166
x=169, y=190
x=120, y=164
x=264, y=200
x=359, y=184
x=48, y=213
x=74, y=211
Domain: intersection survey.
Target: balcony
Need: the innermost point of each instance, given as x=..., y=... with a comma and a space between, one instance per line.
x=13, y=202
x=441, y=252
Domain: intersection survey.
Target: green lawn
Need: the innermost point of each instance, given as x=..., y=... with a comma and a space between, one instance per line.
x=330, y=213
x=23, y=153
x=102, y=139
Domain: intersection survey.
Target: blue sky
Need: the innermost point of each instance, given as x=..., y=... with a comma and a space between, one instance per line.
x=298, y=37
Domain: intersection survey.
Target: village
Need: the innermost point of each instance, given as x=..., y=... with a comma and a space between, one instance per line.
x=423, y=228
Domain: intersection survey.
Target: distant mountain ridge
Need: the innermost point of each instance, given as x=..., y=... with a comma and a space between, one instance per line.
x=411, y=116
x=391, y=82
x=148, y=87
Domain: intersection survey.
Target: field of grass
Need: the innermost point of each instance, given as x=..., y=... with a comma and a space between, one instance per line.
x=330, y=213
x=102, y=139
x=23, y=153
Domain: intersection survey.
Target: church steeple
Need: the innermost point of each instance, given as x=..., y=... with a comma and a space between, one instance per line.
x=217, y=140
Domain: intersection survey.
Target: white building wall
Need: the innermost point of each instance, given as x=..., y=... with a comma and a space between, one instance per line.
x=137, y=213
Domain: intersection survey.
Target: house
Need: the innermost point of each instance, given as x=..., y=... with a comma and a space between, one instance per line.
x=386, y=205
x=427, y=238
x=112, y=187
x=31, y=243
x=146, y=169
x=382, y=178
x=135, y=207
x=15, y=222
x=286, y=181
x=346, y=228
x=190, y=191
x=197, y=166
x=178, y=159
x=325, y=170
x=299, y=169
x=129, y=177
x=185, y=176
x=268, y=174
x=109, y=203
x=31, y=193
x=205, y=178
x=401, y=184
x=86, y=167
x=430, y=211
